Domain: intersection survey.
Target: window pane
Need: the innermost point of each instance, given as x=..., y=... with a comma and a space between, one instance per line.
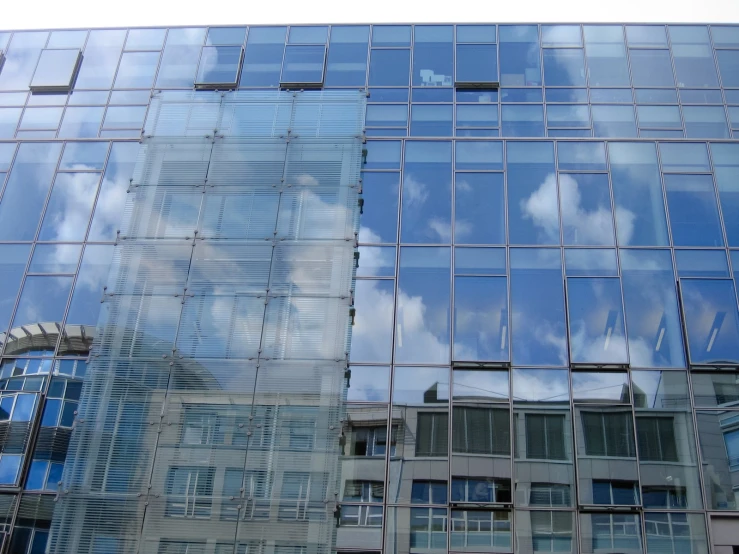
x=640, y=211
x=433, y=56
x=694, y=65
x=26, y=190
x=684, y=157
x=568, y=115
x=303, y=64
x=56, y=69
x=431, y=120
x=728, y=65
x=124, y=117
x=85, y=305
x=651, y=68
x=479, y=261
x=263, y=57
x=656, y=96
x=613, y=121
x=610, y=96
x=137, y=70
x=600, y=386
x=219, y=65
x=369, y=384
x=426, y=204
x=518, y=67
x=308, y=35
x=477, y=116
x=67, y=39
x=567, y=95
x=391, y=35
x=379, y=221
x=663, y=117
x=521, y=120
x=100, y=59
x=705, y=122
x=40, y=118
x=81, y=122
x=711, y=320
x=478, y=155
x=477, y=63
x=701, y=263
x=475, y=33
x=389, y=68
x=564, y=67
x=9, y=121
x=69, y=207
x=726, y=169
x=581, y=155
x=13, y=258
x=693, y=212
x=347, y=57
x=180, y=58
x=43, y=300
x=480, y=319
x=596, y=321
x=586, y=209
x=583, y=262
x=55, y=258
x=532, y=193
x=646, y=35
x=84, y=156
x=387, y=115
x=560, y=35
x=606, y=56
x=373, y=327
x=537, y=307
x=479, y=208
x=145, y=39
x=652, y=321
x=422, y=318
x=18, y=66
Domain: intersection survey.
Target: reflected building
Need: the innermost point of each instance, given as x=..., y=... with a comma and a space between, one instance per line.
x=370, y=289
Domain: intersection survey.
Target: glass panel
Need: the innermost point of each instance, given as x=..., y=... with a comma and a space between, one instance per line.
x=656, y=96
x=391, y=35
x=705, y=122
x=137, y=70
x=180, y=58
x=91, y=97
x=107, y=217
x=13, y=258
x=475, y=33
x=610, y=96
x=613, y=121
x=100, y=59
x=651, y=68
x=347, y=57
x=477, y=116
x=55, y=258
x=537, y=307
x=7, y=150
x=81, y=122
x=369, y=384
x=578, y=95
x=372, y=331
x=13, y=98
x=477, y=96
x=700, y=96
x=225, y=35
x=379, y=220
x=479, y=261
x=308, y=35
x=427, y=187
x=85, y=305
x=480, y=319
x=652, y=320
x=713, y=390
x=43, y=300
x=433, y=56
x=590, y=262
x=646, y=35
x=219, y=65
x=611, y=532
x=659, y=117
x=26, y=190
x=600, y=386
x=84, y=156
x=128, y=117
x=606, y=56
x=263, y=57
x=564, y=115
x=521, y=95
x=718, y=434
x=432, y=94
x=473, y=385
x=55, y=69
x=518, y=67
x=431, y=120
x=376, y=261
x=69, y=207
x=711, y=320
x=145, y=39
x=564, y=67
x=387, y=115
x=477, y=63
x=9, y=121
x=479, y=208
x=389, y=68
x=728, y=65
x=19, y=63
x=383, y=154
x=701, y=263
x=726, y=169
x=412, y=529
x=532, y=193
x=560, y=35
x=422, y=318
x=693, y=212
x=387, y=94
x=596, y=321
x=585, y=203
x=520, y=120
x=640, y=212
x=67, y=39
x=581, y=156
x=41, y=118
x=303, y=64
x=683, y=157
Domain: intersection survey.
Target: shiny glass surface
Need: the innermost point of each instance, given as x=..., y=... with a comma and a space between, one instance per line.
x=389, y=68
x=303, y=64
x=433, y=56
x=726, y=171
x=219, y=65
x=476, y=63
x=347, y=56
x=479, y=208
x=56, y=69
x=480, y=319
x=263, y=57
x=517, y=66
x=694, y=218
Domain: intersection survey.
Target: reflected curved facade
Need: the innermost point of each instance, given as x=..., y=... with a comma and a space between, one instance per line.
x=383, y=289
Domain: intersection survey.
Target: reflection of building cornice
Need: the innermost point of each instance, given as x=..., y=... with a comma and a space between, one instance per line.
x=76, y=339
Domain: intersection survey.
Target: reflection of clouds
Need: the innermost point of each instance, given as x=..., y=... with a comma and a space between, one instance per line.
x=590, y=227
x=72, y=205
x=540, y=385
x=487, y=384
x=599, y=386
x=369, y=384
x=17, y=68
x=111, y=200
x=420, y=385
x=415, y=193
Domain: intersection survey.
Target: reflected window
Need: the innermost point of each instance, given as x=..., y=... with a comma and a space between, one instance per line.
x=478, y=430
x=619, y=532
x=371, y=441
x=711, y=320
x=551, y=530
x=545, y=437
x=549, y=494
x=656, y=439
x=429, y=120
x=669, y=497
x=599, y=386
x=137, y=70
x=432, y=435
x=625, y=493
x=486, y=491
x=189, y=491
x=609, y=434
x=373, y=327
x=484, y=530
x=479, y=207
x=694, y=218
x=473, y=385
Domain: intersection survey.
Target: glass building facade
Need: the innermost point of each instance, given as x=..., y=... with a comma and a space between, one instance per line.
x=377, y=289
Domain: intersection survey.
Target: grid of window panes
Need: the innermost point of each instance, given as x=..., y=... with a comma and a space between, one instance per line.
x=487, y=265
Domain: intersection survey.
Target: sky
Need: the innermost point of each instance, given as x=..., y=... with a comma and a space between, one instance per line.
x=39, y=14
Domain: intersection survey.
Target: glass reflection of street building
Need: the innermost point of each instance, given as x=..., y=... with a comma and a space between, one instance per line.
x=370, y=289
